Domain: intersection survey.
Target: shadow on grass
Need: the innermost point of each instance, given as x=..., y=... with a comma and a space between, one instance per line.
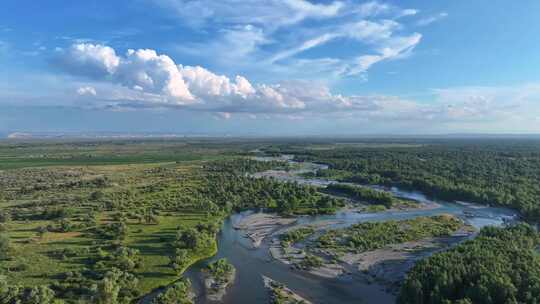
x=149, y=250
x=155, y=274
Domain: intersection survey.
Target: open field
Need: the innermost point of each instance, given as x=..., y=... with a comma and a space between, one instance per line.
x=72, y=211
x=38, y=257
x=40, y=153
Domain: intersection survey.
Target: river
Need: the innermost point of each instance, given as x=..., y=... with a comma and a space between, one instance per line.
x=251, y=262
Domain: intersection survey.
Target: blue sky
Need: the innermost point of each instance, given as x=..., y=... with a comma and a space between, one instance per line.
x=270, y=67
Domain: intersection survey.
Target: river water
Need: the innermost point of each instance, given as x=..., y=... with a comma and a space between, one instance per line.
x=251, y=263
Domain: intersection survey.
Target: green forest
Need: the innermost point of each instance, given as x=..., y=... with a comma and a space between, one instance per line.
x=498, y=266
x=363, y=194
x=504, y=173
x=111, y=221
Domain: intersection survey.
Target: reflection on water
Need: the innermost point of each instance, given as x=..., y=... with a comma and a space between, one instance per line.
x=252, y=263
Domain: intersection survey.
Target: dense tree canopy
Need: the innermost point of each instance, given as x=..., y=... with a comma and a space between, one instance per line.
x=240, y=192
x=364, y=194
x=505, y=173
x=499, y=266
x=178, y=293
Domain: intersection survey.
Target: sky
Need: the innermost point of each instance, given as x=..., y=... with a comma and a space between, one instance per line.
x=270, y=67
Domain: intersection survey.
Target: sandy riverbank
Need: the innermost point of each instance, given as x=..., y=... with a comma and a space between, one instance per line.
x=387, y=265
x=259, y=226
x=390, y=264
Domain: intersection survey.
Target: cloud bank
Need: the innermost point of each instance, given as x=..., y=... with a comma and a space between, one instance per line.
x=155, y=80
x=145, y=79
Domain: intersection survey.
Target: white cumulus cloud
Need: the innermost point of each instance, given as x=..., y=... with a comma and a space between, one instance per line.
x=156, y=80
x=90, y=59
x=147, y=79
x=146, y=71
x=140, y=70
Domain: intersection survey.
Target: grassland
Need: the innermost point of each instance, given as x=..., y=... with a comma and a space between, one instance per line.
x=33, y=260
x=80, y=216
x=88, y=188
x=38, y=153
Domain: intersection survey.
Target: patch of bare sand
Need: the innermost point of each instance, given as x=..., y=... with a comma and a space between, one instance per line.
x=391, y=264
x=216, y=288
x=292, y=255
x=258, y=226
x=328, y=270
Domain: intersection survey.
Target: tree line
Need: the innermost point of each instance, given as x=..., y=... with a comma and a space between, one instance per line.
x=501, y=266
x=504, y=173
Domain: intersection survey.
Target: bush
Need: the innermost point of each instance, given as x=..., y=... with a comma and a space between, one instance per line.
x=310, y=262
x=176, y=294
x=220, y=269
x=5, y=216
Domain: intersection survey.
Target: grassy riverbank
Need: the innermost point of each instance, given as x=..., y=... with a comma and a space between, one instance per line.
x=70, y=213
x=73, y=222
x=41, y=250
